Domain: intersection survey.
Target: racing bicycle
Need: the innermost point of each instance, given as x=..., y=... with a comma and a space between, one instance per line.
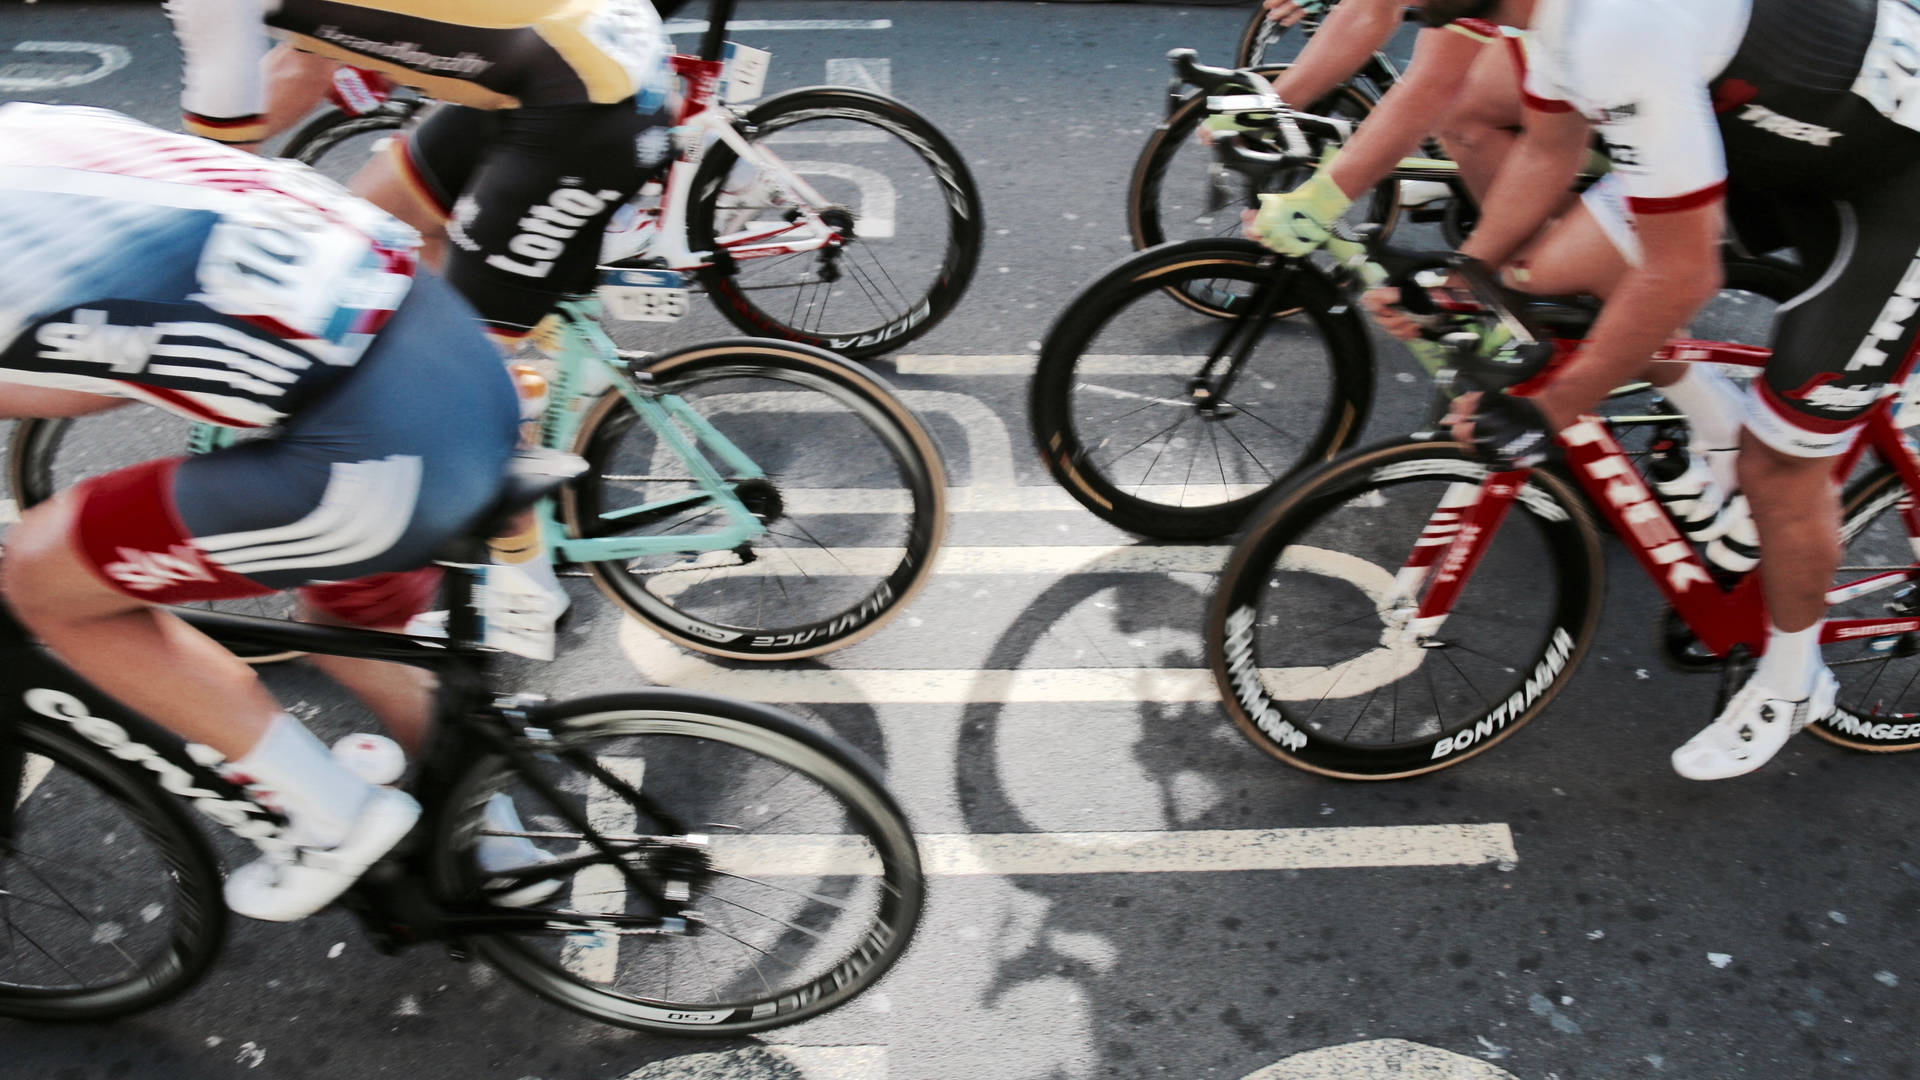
x=1407, y=607
x=749, y=498
x=1179, y=427
x=826, y=215
x=720, y=867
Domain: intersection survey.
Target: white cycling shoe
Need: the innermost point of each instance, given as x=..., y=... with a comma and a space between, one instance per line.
x=1752, y=728
x=293, y=885
x=501, y=854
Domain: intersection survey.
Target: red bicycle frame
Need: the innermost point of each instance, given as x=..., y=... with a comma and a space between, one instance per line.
x=1457, y=535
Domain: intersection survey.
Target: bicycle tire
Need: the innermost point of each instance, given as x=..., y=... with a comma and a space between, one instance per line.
x=170, y=907
x=37, y=468
x=1260, y=40
x=331, y=126
x=1305, y=576
x=692, y=753
x=1859, y=721
x=907, y=291
x=1171, y=160
x=1282, y=423
x=866, y=469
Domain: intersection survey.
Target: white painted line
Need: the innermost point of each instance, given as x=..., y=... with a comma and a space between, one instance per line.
x=108, y=59
x=596, y=958
x=1160, y=852
x=667, y=665
x=699, y=26
x=37, y=768
x=1023, y=364
x=772, y=1063
x=1381, y=1058
x=876, y=193
x=874, y=74
x=9, y=511
x=824, y=138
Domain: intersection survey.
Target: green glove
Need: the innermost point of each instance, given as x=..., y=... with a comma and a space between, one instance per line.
x=1299, y=221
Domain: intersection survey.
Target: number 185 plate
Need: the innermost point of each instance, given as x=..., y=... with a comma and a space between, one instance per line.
x=644, y=295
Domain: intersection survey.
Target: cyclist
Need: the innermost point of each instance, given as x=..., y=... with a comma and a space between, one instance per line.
x=556, y=118
x=1714, y=109
x=250, y=293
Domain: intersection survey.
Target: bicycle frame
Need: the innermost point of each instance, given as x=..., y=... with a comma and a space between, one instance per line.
x=1722, y=619
x=590, y=362
x=397, y=909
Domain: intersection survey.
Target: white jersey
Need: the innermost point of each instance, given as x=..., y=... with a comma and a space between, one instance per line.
x=1639, y=71
x=147, y=264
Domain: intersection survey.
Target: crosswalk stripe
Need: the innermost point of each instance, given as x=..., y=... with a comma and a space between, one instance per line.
x=1176, y=851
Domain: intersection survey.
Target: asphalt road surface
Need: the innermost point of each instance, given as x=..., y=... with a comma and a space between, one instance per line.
x=1165, y=900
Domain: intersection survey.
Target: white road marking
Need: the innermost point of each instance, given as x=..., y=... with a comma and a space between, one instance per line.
x=876, y=192
x=1023, y=364
x=9, y=511
x=873, y=74
x=37, y=768
x=597, y=958
x=667, y=665
x=1178, y=851
x=813, y=1062
x=108, y=59
x=699, y=26
x=1378, y=1059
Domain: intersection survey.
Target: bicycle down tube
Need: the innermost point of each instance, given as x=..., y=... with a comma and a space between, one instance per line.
x=1721, y=618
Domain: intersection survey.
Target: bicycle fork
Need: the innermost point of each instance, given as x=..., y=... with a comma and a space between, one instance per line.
x=1450, y=547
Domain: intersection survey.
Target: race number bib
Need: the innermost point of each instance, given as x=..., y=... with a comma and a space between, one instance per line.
x=1890, y=74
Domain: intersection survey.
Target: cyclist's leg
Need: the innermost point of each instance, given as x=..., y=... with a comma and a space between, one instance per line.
x=1485, y=119
x=417, y=177
x=527, y=223
x=296, y=84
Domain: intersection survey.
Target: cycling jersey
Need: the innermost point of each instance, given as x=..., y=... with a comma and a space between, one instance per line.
x=217, y=284
x=1803, y=115
x=492, y=54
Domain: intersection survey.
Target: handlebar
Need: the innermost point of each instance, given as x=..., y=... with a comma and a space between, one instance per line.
x=1363, y=256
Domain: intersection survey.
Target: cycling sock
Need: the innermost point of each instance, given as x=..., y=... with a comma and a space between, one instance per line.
x=1711, y=404
x=1792, y=660
x=291, y=769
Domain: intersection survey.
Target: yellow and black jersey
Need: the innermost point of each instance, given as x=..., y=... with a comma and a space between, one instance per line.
x=491, y=54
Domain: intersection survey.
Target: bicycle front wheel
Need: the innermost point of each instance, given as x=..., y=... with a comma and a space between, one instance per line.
x=109, y=897
x=850, y=489
x=1128, y=425
x=894, y=188
x=1180, y=191
x=802, y=882
x=46, y=456
x=1307, y=633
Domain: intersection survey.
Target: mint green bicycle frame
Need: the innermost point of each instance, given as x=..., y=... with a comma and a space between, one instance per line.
x=588, y=361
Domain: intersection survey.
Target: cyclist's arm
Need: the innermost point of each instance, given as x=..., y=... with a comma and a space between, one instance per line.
x=1351, y=32
x=1679, y=272
x=1438, y=74
x=223, y=93
x=1532, y=181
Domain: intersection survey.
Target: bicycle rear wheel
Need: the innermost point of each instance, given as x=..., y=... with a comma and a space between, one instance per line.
x=338, y=143
x=894, y=186
x=1127, y=427
x=1305, y=632
x=109, y=897
x=50, y=455
x=1878, y=708
x=1179, y=191
x=853, y=498
x=806, y=890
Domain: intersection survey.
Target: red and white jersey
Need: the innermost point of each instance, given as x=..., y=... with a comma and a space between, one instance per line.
x=1639, y=70
x=147, y=264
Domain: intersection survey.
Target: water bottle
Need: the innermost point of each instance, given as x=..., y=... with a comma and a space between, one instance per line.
x=1684, y=484
x=1737, y=549
x=532, y=387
